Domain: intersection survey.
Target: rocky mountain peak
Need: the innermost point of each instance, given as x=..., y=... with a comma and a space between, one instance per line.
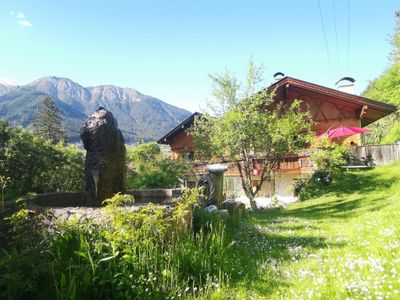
x=112, y=93
x=138, y=115
x=7, y=82
x=62, y=88
x=6, y=85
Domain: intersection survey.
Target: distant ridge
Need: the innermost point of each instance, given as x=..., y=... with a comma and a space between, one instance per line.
x=6, y=85
x=139, y=116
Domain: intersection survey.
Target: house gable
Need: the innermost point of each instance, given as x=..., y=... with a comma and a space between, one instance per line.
x=326, y=104
x=328, y=108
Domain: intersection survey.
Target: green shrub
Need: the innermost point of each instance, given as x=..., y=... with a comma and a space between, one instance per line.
x=148, y=254
x=33, y=165
x=329, y=157
x=24, y=265
x=149, y=168
x=313, y=188
x=298, y=184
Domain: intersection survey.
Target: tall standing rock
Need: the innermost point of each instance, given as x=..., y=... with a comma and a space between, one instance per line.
x=105, y=166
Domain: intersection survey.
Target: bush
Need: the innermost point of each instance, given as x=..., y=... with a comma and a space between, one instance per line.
x=33, y=165
x=324, y=178
x=298, y=184
x=24, y=272
x=150, y=254
x=329, y=157
x=312, y=189
x=149, y=168
x=328, y=160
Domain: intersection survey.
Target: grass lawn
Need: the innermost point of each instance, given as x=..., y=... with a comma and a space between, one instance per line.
x=343, y=245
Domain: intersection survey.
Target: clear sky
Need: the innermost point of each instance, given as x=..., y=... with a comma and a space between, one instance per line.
x=166, y=48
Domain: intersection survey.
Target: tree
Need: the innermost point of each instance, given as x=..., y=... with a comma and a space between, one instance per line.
x=255, y=131
x=386, y=88
x=33, y=165
x=149, y=168
x=48, y=123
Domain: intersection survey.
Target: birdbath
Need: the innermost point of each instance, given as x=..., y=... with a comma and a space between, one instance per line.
x=218, y=171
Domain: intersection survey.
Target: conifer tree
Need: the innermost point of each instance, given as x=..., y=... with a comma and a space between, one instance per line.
x=48, y=123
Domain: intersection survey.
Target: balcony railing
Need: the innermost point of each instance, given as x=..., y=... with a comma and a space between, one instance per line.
x=295, y=163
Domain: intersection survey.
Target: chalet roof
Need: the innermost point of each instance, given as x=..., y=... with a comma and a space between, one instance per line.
x=375, y=109
x=178, y=129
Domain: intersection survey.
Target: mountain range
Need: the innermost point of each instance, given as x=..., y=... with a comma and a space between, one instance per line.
x=139, y=116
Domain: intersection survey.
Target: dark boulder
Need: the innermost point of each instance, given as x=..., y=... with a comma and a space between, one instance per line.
x=105, y=165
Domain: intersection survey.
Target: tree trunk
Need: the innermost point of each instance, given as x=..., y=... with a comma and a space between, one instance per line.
x=247, y=185
x=253, y=203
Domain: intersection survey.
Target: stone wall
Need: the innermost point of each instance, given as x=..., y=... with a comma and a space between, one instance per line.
x=61, y=199
x=76, y=199
x=154, y=195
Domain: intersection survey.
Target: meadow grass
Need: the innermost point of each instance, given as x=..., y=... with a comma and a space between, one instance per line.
x=343, y=245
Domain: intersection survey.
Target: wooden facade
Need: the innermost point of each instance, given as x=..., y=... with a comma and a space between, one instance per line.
x=179, y=140
x=182, y=144
x=328, y=108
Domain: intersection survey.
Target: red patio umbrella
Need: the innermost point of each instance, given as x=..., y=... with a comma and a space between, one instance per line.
x=342, y=131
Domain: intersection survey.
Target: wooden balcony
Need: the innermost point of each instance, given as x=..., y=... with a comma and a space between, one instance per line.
x=295, y=165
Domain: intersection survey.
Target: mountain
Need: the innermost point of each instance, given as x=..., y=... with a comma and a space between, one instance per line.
x=138, y=115
x=6, y=85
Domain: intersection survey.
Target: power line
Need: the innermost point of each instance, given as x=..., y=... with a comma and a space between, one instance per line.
x=336, y=35
x=348, y=35
x=326, y=41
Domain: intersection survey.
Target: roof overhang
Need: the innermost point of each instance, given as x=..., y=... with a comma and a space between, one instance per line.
x=369, y=110
x=188, y=122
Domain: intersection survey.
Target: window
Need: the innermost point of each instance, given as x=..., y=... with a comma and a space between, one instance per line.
x=187, y=155
x=233, y=186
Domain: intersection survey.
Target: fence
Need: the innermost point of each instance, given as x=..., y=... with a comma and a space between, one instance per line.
x=381, y=154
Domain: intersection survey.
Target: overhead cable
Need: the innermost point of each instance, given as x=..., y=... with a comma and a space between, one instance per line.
x=336, y=35
x=324, y=33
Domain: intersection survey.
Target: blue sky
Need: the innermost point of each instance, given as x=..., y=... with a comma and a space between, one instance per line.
x=167, y=48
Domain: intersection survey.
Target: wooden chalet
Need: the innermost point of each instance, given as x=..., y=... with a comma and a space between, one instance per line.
x=328, y=108
x=180, y=142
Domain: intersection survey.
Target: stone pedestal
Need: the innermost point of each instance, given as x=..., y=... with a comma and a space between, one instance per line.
x=213, y=184
x=218, y=170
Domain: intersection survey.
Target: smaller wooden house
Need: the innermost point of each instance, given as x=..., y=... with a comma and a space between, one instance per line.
x=328, y=108
x=179, y=140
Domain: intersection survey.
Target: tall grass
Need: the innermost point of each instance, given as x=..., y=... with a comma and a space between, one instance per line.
x=150, y=254
x=341, y=245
